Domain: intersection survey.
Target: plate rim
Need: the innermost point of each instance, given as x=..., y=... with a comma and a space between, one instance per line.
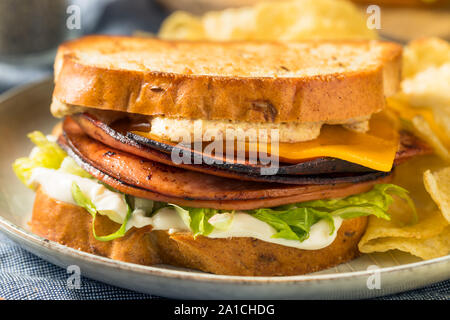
x=14, y=91
x=11, y=229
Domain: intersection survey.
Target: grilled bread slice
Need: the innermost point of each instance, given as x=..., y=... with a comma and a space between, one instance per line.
x=308, y=81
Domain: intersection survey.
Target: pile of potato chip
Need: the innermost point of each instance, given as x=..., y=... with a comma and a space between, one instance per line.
x=424, y=100
x=278, y=20
x=430, y=237
x=423, y=105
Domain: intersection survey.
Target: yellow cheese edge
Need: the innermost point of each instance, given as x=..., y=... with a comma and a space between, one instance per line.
x=375, y=149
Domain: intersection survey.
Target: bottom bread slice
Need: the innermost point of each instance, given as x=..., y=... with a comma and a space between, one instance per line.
x=70, y=225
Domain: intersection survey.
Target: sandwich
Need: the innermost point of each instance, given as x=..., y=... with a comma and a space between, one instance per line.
x=236, y=158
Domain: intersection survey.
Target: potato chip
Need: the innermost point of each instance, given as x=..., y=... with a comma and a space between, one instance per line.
x=181, y=25
x=421, y=54
x=230, y=24
x=429, y=124
x=432, y=223
x=442, y=118
x=278, y=20
x=429, y=238
x=430, y=248
x=423, y=130
x=424, y=99
x=438, y=186
x=429, y=88
x=424, y=105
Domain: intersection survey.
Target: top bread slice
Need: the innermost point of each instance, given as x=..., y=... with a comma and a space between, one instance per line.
x=329, y=81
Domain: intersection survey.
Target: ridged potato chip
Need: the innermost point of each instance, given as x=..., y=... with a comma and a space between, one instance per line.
x=429, y=88
x=427, y=239
x=181, y=25
x=430, y=124
x=423, y=130
x=278, y=20
x=438, y=186
x=424, y=100
x=424, y=106
x=429, y=248
x=421, y=54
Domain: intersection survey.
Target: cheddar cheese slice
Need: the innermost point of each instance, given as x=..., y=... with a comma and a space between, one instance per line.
x=375, y=149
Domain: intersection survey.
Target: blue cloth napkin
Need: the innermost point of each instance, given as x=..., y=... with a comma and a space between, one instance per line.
x=25, y=276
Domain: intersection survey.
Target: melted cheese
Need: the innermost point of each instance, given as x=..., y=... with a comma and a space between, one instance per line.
x=374, y=149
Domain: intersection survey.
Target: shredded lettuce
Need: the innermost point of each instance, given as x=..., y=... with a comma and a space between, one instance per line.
x=293, y=223
x=83, y=201
x=46, y=155
x=374, y=202
x=70, y=166
x=197, y=219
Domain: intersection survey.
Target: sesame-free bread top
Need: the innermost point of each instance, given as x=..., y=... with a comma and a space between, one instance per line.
x=244, y=81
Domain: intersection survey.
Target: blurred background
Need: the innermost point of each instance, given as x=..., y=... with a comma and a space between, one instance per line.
x=30, y=30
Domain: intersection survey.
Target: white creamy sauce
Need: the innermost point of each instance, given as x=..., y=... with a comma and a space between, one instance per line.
x=57, y=185
x=245, y=225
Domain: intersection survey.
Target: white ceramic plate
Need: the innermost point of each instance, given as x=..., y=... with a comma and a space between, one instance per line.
x=26, y=109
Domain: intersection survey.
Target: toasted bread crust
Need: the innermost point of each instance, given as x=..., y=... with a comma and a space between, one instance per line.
x=71, y=225
x=325, y=96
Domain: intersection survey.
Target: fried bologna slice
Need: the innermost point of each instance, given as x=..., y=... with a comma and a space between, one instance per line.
x=71, y=225
x=243, y=81
x=117, y=136
x=172, y=181
x=309, y=192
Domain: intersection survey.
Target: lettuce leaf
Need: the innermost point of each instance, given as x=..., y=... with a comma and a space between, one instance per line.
x=374, y=202
x=197, y=219
x=70, y=166
x=293, y=222
x=47, y=155
x=200, y=221
x=83, y=201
